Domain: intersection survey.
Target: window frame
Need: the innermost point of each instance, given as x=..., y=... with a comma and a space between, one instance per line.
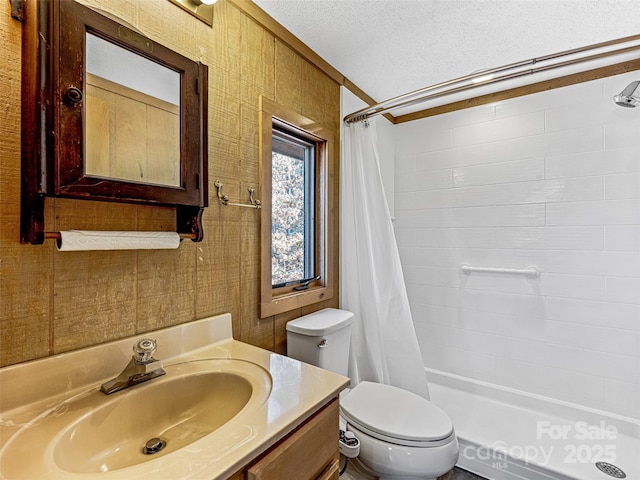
x=310, y=160
x=283, y=299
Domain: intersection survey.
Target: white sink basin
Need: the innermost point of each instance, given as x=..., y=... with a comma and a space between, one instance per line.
x=93, y=433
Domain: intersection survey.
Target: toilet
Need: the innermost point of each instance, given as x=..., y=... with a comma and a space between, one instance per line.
x=402, y=435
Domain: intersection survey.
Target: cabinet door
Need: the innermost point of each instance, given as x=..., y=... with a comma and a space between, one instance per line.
x=310, y=452
x=332, y=472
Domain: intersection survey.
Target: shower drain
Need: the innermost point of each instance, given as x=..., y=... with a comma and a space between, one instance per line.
x=610, y=470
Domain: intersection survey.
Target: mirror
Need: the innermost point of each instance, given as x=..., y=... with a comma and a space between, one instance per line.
x=109, y=114
x=132, y=116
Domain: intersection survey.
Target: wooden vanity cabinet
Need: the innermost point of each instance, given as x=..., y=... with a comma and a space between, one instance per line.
x=310, y=452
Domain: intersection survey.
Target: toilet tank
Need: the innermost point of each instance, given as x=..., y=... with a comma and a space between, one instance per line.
x=321, y=339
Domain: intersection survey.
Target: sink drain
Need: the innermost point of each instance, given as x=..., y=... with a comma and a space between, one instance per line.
x=153, y=446
x=610, y=470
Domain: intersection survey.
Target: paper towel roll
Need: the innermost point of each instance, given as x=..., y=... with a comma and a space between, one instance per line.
x=83, y=240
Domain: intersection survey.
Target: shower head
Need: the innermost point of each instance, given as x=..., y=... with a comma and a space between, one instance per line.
x=630, y=96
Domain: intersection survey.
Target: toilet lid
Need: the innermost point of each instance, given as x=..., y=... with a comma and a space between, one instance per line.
x=396, y=415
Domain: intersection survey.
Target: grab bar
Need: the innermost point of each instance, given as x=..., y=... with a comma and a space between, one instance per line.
x=531, y=271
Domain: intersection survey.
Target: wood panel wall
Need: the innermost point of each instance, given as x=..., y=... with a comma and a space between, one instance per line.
x=52, y=302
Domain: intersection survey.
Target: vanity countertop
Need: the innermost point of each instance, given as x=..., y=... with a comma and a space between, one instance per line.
x=30, y=390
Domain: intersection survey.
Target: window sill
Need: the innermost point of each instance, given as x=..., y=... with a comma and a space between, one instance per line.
x=291, y=301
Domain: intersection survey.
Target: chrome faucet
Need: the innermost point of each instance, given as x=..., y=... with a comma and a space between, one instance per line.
x=141, y=367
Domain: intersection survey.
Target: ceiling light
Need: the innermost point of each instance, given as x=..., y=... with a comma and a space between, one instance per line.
x=201, y=9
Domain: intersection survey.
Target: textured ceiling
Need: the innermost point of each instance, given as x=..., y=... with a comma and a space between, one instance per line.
x=392, y=47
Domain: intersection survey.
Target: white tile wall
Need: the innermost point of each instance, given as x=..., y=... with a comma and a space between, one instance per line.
x=552, y=180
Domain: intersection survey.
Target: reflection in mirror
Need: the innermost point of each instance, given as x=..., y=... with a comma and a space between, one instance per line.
x=132, y=116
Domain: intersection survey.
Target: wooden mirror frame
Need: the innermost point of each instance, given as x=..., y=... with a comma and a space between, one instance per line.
x=53, y=60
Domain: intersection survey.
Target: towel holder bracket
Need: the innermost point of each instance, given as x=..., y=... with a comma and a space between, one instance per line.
x=224, y=199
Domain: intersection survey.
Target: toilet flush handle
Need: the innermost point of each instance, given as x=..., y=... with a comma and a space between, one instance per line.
x=323, y=343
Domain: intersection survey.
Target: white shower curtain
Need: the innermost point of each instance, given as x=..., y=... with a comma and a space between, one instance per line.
x=384, y=347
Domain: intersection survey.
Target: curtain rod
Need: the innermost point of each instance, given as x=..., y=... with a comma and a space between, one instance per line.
x=489, y=77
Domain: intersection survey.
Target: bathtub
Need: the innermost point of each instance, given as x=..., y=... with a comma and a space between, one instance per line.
x=507, y=434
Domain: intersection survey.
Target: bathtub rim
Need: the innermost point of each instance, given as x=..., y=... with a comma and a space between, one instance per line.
x=626, y=425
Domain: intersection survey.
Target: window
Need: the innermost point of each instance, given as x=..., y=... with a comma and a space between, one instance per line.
x=292, y=209
x=297, y=253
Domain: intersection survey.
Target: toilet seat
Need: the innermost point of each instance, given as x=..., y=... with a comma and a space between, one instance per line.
x=396, y=416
